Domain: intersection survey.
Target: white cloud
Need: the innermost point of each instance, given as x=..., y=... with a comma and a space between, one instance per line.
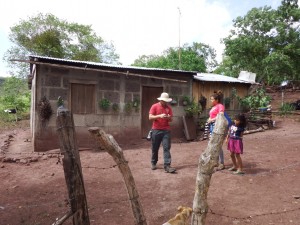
x=137, y=27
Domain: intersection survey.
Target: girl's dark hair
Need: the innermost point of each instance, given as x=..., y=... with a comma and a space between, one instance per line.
x=241, y=117
x=218, y=95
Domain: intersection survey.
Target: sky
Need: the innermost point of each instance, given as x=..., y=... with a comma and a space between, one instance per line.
x=136, y=27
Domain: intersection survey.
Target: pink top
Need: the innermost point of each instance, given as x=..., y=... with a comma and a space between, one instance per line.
x=160, y=123
x=216, y=110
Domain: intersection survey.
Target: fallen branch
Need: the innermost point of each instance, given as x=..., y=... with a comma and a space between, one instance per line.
x=63, y=219
x=260, y=129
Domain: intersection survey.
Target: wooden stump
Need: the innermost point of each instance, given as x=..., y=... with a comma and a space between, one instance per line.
x=72, y=167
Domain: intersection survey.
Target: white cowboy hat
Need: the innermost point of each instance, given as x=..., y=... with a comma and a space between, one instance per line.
x=164, y=97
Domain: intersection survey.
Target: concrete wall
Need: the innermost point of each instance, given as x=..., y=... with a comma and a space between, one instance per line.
x=53, y=82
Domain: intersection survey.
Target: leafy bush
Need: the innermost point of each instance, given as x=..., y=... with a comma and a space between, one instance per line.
x=286, y=108
x=14, y=94
x=192, y=109
x=259, y=99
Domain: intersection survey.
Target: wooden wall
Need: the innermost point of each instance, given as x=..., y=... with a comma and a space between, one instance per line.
x=207, y=88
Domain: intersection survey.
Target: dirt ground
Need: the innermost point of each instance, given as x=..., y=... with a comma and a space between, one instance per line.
x=33, y=189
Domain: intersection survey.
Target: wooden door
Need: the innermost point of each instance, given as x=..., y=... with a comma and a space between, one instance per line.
x=149, y=97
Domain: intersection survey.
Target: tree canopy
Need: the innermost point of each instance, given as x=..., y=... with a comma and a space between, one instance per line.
x=46, y=35
x=265, y=41
x=196, y=57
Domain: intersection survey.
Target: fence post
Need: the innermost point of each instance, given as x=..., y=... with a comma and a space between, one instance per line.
x=72, y=166
x=108, y=143
x=207, y=162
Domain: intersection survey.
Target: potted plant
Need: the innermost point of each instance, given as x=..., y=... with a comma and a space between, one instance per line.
x=115, y=107
x=128, y=107
x=192, y=109
x=227, y=101
x=136, y=104
x=104, y=104
x=185, y=100
x=174, y=101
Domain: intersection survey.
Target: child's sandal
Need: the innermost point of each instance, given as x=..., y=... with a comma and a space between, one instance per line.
x=238, y=172
x=232, y=169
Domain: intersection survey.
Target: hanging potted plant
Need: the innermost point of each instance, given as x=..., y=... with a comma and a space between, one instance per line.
x=136, y=104
x=185, y=100
x=115, y=107
x=227, y=101
x=128, y=107
x=174, y=101
x=192, y=109
x=104, y=104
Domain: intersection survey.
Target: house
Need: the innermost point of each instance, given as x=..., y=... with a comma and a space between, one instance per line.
x=113, y=97
x=205, y=84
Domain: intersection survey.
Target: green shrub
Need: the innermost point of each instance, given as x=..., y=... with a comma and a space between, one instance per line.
x=286, y=109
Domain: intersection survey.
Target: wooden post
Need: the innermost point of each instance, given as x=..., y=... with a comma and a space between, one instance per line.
x=72, y=166
x=207, y=162
x=108, y=143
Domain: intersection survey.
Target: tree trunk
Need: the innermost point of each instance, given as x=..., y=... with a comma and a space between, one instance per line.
x=207, y=162
x=108, y=143
x=72, y=167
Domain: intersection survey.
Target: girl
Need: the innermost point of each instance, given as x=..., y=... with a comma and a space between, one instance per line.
x=235, y=143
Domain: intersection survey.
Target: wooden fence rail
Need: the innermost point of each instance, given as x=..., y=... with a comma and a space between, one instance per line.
x=108, y=143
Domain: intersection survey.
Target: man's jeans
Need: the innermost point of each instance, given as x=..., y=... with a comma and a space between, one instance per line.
x=161, y=137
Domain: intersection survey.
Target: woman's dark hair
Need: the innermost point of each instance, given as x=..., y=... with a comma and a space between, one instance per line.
x=241, y=117
x=218, y=95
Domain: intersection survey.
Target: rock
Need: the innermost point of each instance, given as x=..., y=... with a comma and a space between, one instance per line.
x=34, y=159
x=23, y=161
x=8, y=159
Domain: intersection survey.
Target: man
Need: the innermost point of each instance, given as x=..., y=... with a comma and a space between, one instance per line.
x=161, y=114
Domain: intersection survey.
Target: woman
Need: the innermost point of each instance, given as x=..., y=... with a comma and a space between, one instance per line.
x=217, y=108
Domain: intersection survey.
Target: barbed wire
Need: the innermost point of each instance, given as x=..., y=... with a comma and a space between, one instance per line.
x=19, y=206
x=255, y=215
x=59, y=156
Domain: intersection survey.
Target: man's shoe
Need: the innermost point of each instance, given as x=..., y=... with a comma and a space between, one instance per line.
x=153, y=167
x=169, y=169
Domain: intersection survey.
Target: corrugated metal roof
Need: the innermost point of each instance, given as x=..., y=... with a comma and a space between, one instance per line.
x=108, y=65
x=218, y=78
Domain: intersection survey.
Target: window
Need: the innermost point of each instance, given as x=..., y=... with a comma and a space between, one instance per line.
x=83, y=98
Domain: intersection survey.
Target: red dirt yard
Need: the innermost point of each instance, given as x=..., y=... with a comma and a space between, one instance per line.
x=33, y=189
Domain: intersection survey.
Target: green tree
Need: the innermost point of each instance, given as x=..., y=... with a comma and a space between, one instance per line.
x=266, y=42
x=14, y=93
x=196, y=57
x=227, y=68
x=46, y=35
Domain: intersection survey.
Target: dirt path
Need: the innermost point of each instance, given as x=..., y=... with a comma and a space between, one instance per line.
x=34, y=192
